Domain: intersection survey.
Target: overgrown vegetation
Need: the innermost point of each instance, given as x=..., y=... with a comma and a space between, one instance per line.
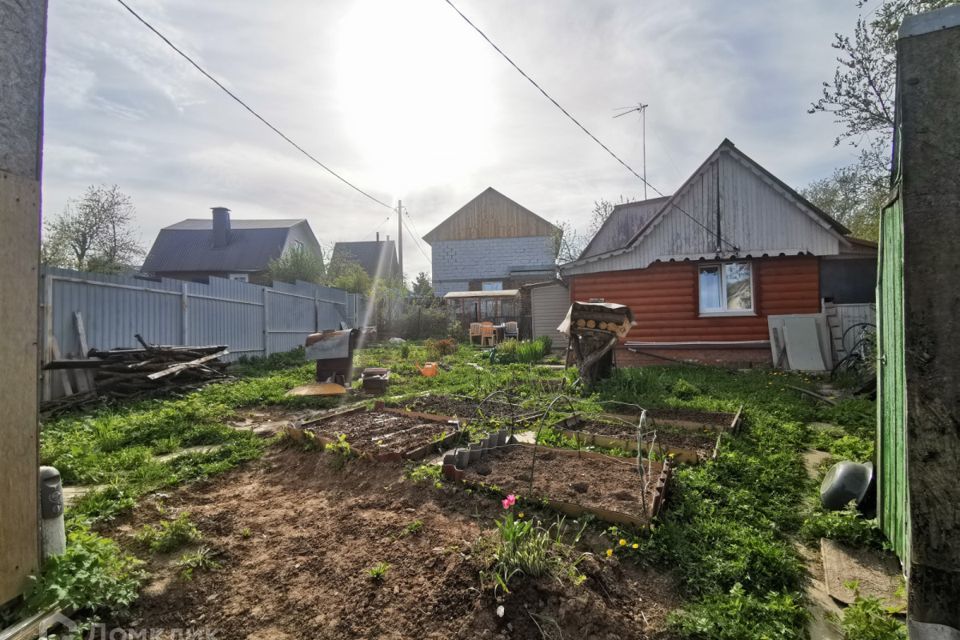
x=868, y=619
x=169, y=535
x=525, y=351
x=202, y=559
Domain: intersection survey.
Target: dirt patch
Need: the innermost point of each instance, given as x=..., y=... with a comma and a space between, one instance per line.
x=667, y=436
x=465, y=408
x=598, y=482
x=382, y=432
x=294, y=539
x=712, y=419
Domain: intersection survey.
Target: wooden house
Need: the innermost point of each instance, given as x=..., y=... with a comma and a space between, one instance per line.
x=704, y=268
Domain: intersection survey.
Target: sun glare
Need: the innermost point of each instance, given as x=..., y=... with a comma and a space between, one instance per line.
x=416, y=92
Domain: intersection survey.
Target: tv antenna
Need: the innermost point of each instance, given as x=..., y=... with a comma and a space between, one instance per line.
x=642, y=110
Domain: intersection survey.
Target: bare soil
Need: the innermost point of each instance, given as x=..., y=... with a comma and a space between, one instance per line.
x=601, y=482
x=712, y=419
x=464, y=408
x=669, y=437
x=294, y=538
x=382, y=432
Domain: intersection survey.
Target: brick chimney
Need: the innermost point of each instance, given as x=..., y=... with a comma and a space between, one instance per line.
x=221, y=226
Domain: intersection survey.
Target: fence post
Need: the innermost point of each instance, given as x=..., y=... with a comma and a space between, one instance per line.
x=266, y=317
x=184, y=318
x=316, y=311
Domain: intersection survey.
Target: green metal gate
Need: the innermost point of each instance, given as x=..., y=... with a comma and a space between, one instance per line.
x=893, y=499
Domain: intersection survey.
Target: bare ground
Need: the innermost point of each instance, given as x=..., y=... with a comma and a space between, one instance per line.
x=294, y=538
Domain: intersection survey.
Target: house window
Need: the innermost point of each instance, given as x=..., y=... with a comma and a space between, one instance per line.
x=491, y=285
x=726, y=288
x=239, y=277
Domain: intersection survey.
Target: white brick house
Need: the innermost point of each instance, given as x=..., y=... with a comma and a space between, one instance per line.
x=491, y=243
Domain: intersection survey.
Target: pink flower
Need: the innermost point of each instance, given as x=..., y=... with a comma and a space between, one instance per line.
x=509, y=501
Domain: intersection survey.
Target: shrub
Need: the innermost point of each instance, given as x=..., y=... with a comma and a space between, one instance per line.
x=436, y=349
x=419, y=323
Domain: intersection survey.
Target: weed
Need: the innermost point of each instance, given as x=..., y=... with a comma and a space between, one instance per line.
x=378, y=572
x=847, y=526
x=246, y=533
x=424, y=473
x=412, y=529
x=405, y=351
x=868, y=619
x=93, y=573
x=340, y=450
x=202, y=558
x=684, y=390
x=169, y=535
x=737, y=614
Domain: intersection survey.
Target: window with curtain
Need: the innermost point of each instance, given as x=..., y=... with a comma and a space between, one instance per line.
x=726, y=288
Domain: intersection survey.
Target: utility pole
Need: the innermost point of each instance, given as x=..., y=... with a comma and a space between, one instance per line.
x=400, y=235
x=642, y=109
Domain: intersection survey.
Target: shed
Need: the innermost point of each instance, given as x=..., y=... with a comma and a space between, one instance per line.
x=549, y=302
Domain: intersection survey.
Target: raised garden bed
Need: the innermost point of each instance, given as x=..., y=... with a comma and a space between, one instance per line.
x=467, y=409
x=686, y=418
x=684, y=444
x=385, y=433
x=572, y=482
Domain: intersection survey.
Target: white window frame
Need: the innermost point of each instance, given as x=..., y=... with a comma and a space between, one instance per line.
x=724, y=312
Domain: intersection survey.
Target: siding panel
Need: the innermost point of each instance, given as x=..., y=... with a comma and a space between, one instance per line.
x=668, y=310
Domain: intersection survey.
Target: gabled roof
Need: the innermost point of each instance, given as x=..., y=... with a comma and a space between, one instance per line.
x=187, y=246
x=490, y=215
x=758, y=214
x=369, y=255
x=621, y=225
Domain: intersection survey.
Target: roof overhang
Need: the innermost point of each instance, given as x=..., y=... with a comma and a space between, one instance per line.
x=503, y=293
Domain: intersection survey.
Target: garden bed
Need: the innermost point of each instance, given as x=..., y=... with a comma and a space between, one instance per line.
x=573, y=482
x=303, y=573
x=466, y=408
x=682, y=418
x=682, y=443
x=388, y=434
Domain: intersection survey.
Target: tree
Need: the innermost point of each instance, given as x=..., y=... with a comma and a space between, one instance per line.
x=861, y=98
x=570, y=243
x=297, y=263
x=93, y=233
x=852, y=197
x=347, y=274
x=423, y=288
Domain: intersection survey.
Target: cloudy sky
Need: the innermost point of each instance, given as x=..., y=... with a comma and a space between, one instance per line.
x=407, y=101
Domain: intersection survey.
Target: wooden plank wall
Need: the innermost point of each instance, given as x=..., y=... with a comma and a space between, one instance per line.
x=491, y=215
x=19, y=543
x=665, y=304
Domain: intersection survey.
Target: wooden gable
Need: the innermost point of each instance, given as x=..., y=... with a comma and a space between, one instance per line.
x=730, y=207
x=491, y=215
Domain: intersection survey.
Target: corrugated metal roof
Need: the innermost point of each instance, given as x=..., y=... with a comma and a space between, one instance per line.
x=369, y=254
x=191, y=249
x=621, y=225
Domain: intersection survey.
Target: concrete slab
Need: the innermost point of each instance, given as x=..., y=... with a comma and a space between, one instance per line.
x=812, y=459
x=877, y=575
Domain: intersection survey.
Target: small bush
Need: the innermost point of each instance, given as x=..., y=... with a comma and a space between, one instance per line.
x=340, y=450
x=169, y=535
x=436, y=349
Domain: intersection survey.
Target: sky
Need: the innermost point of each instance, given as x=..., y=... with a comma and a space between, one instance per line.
x=406, y=101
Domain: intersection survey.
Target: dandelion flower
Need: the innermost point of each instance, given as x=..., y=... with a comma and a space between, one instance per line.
x=609, y=552
x=635, y=545
x=623, y=542
x=520, y=515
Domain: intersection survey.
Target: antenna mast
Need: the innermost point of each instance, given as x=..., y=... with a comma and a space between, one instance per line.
x=642, y=109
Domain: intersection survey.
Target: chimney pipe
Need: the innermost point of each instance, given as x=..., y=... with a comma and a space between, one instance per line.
x=378, y=236
x=221, y=226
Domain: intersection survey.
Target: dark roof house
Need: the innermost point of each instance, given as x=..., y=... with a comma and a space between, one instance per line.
x=195, y=249
x=377, y=257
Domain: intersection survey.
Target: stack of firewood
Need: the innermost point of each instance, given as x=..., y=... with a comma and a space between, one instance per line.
x=134, y=373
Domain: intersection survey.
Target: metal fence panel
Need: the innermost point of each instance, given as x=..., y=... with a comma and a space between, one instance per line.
x=252, y=320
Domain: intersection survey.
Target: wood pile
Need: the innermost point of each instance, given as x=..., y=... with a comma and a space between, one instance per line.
x=136, y=373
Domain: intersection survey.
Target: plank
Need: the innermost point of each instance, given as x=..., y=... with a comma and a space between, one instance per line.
x=181, y=366
x=803, y=344
x=19, y=543
x=876, y=575
x=64, y=377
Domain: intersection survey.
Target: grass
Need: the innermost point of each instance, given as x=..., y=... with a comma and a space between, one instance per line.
x=201, y=559
x=727, y=531
x=169, y=535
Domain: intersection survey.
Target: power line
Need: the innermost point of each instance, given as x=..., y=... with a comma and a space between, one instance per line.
x=577, y=122
x=416, y=240
x=250, y=109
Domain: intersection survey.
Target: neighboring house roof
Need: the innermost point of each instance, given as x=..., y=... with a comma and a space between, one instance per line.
x=621, y=225
x=369, y=255
x=491, y=215
x=187, y=246
x=757, y=214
